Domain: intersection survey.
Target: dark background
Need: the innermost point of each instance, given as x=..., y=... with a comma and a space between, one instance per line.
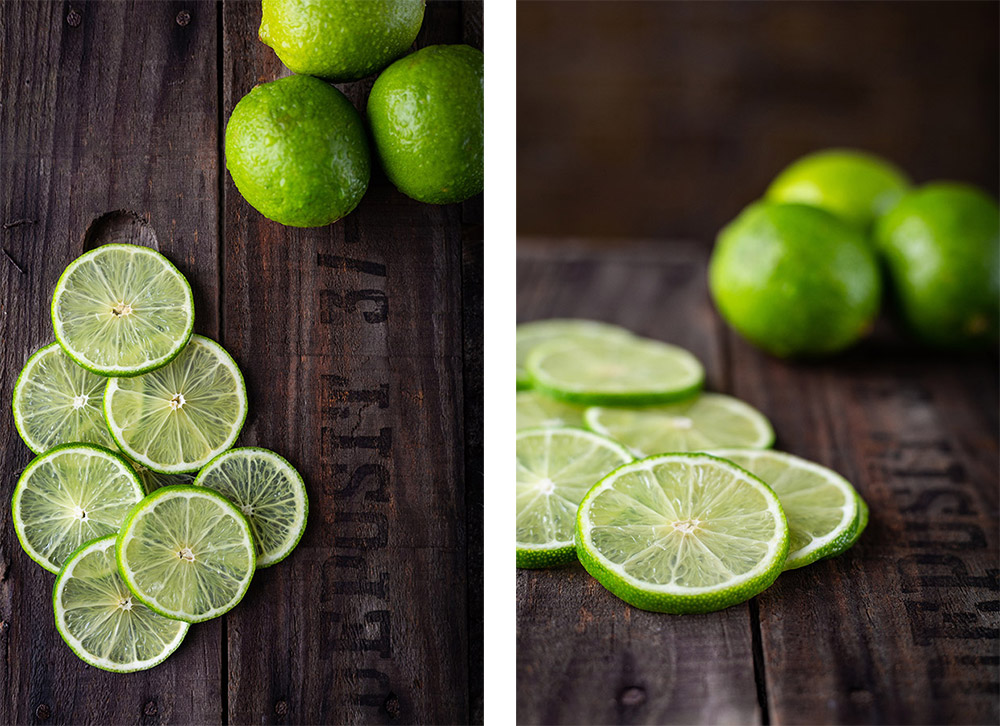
x=664, y=119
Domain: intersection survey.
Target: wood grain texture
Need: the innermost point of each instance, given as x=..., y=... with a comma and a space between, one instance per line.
x=95, y=119
x=902, y=629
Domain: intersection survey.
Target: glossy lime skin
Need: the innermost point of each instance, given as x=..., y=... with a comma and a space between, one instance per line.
x=941, y=246
x=854, y=185
x=340, y=40
x=795, y=280
x=426, y=116
x=297, y=151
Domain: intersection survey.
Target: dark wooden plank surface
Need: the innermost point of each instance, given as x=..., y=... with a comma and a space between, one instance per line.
x=361, y=348
x=902, y=629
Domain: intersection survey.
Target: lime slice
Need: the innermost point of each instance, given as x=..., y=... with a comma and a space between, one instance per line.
x=857, y=529
x=122, y=310
x=555, y=468
x=179, y=417
x=100, y=619
x=535, y=410
x=269, y=492
x=69, y=495
x=530, y=335
x=621, y=372
x=58, y=402
x=187, y=553
x=821, y=506
x=682, y=533
x=706, y=422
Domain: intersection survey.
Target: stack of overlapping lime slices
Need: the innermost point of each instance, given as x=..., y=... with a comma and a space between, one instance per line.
x=669, y=497
x=136, y=499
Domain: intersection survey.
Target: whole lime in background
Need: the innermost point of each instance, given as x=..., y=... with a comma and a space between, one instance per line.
x=941, y=246
x=297, y=151
x=795, y=280
x=426, y=116
x=341, y=40
x=853, y=185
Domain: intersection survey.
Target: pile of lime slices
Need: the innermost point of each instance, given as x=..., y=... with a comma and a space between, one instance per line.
x=670, y=497
x=136, y=499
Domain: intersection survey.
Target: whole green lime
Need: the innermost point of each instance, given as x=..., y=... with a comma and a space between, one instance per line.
x=941, y=246
x=341, y=40
x=853, y=185
x=426, y=116
x=297, y=152
x=795, y=280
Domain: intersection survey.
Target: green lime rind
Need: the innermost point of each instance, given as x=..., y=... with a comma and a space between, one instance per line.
x=139, y=412
x=536, y=410
x=687, y=520
x=631, y=372
x=53, y=402
x=708, y=421
x=529, y=335
x=175, y=544
x=245, y=476
x=821, y=506
x=857, y=529
x=174, y=333
x=56, y=508
x=555, y=468
x=91, y=573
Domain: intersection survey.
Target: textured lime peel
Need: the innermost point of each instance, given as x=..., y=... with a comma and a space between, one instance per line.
x=682, y=533
x=179, y=417
x=122, y=310
x=102, y=621
x=709, y=421
x=555, y=468
x=531, y=335
x=69, y=495
x=58, y=402
x=187, y=553
x=268, y=491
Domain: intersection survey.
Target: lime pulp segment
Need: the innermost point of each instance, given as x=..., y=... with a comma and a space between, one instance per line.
x=122, y=310
x=179, y=417
x=102, y=621
x=555, y=469
x=268, y=491
x=187, y=553
x=530, y=335
x=58, y=402
x=69, y=495
x=536, y=410
x=682, y=533
x=709, y=421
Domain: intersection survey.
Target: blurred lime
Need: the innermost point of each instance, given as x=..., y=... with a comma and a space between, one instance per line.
x=342, y=40
x=853, y=185
x=297, y=152
x=794, y=280
x=531, y=335
x=941, y=246
x=426, y=115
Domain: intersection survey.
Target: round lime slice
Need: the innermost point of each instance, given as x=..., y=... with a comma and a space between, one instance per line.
x=179, y=417
x=623, y=372
x=69, y=495
x=555, y=468
x=709, y=421
x=535, y=410
x=821, y=506
x=682, y=533
x=58, y=402
x=122, y=310
x=187, y=553
x=530, y=335
x=100, y=619
x=269, y=492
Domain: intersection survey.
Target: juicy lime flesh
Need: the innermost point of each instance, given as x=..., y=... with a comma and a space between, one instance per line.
x=709, y=421
x=122, y=309
x=69, y=496
x=535, y=410
x=58, y=402
x=268, y=491
x=187, y=555
x=178, y=417
x=103, y=621
x=532, y=334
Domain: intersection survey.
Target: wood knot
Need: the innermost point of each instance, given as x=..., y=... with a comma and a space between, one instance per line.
x=281, y=708
x=391, y=705
x=73, y=18
x=150, y=708
x=632, y=696
x=43, y=712
x=183, y=18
